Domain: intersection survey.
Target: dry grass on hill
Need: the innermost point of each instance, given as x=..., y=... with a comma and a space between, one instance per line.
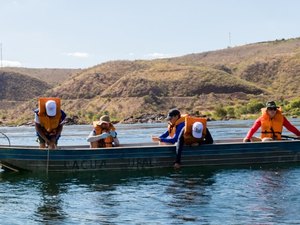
x=195, y=83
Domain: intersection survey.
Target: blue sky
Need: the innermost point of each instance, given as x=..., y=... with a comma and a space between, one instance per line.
x=83, y=33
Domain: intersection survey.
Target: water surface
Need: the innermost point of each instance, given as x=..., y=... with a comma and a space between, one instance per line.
x=164, y=196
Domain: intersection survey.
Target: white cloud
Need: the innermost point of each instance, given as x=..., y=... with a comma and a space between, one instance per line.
x=157, y=55
x=8, y=63
x=78, y=54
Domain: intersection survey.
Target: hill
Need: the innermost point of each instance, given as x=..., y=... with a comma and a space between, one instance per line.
x=18, y=87
x=273, y=65
x=51, y=76
x=229, y=82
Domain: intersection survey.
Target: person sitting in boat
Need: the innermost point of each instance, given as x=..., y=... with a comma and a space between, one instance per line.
x=176, y=124
x=49, y=120
x=104, y=134
x=271, y=123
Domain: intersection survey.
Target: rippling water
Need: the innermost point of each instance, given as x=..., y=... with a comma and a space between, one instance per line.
x=164, y=196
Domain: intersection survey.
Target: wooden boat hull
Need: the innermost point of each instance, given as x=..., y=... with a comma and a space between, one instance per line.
x=142, y=157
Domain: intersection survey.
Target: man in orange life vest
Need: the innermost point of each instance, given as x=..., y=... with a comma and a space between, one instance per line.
x=271, y=123
x=184, y=130
x=104, y=134
x=176, y=124
x=49, y=122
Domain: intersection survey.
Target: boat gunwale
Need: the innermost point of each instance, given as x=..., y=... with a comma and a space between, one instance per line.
x=136, y=146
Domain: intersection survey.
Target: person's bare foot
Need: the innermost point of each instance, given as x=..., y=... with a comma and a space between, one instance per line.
x=177, y=165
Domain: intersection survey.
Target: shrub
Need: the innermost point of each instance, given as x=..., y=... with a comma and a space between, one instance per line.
x=220, y=112
x=230, y=112
x=254, y=107
x=295, y=104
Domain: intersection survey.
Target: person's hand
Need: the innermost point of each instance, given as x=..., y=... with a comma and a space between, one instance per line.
x=47, y=141
x=155, y=139
x=113, y=134
x=246, y=140
x=104, y=135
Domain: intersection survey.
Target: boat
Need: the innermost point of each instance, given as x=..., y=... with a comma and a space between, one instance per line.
x=149, y=156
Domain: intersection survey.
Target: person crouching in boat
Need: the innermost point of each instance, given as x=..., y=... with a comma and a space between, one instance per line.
x=104, y=134
x=184, y=130
x=175, y=125
x=49, y=119
x=195, y=133
x=271, y=123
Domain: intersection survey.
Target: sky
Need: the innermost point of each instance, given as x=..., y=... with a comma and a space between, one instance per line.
x=84, y=33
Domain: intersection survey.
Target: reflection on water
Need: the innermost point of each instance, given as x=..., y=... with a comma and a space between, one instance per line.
x=165, y=196
x=161, y=196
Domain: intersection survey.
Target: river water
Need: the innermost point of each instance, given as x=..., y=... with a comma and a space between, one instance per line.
x=164, y=196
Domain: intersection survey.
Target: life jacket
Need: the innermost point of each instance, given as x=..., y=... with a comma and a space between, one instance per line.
x=188, y=136
x=106, y=142
x=172, y=127
x=271, y=128
x=50, y=124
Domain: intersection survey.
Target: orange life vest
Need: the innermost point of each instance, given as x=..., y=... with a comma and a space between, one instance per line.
x=50, y=124
x=188, y=136
x=106, y=142
x=271, y=128
x=172, y=127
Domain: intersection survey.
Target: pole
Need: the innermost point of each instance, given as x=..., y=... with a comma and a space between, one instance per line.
x=229, y=36
x=1, y=54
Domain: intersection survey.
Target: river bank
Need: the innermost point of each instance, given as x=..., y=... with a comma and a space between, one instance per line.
x=143, y=119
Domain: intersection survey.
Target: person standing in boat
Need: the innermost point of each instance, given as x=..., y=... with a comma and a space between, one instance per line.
x=104, y=134
x=271, y=123
x=49, y=120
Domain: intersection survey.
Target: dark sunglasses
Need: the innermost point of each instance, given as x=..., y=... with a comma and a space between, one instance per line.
x=272, y=109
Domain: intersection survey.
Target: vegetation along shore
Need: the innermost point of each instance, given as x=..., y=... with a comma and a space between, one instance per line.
x=232, y=83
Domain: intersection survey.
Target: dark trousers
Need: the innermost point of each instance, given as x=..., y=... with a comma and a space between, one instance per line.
x=207, y=140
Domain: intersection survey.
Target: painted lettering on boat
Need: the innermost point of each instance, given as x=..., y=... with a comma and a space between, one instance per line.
x=84, y=164
x=140, y=163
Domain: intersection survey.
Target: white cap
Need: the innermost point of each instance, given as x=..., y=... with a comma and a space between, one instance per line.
x=51, y=108
x=197, y=130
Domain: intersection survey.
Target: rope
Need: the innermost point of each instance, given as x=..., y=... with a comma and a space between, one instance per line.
x=47, y=160
x=6, y=138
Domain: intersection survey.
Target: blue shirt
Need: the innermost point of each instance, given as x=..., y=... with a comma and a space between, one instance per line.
x=165, y=136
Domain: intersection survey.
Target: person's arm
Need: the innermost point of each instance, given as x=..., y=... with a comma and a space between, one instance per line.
x=174, y=139
x=113, y=133
x=164, y=135
x=93, y=137
x=59, y=130
x=290, y=127
x=116, y=142
x=253, y=129
x=41, y=132
x=63, y=117
x=208, y=138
